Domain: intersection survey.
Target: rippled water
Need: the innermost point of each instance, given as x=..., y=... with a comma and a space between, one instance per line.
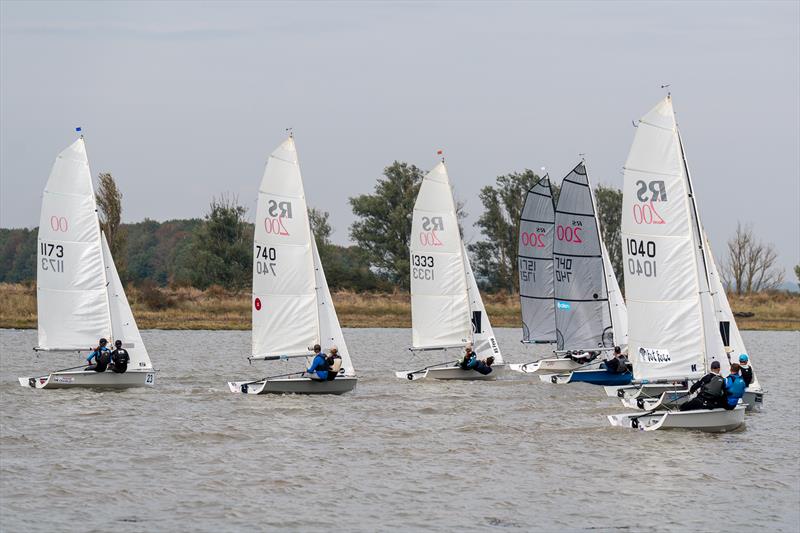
x=393, y=455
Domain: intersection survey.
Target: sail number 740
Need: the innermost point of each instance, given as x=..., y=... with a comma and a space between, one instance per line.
x=641, y=260
x=265, y=260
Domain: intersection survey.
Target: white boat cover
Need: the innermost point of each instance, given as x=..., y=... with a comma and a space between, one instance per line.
x=583, y=311
x=672, y=331
x=482, y=332
x=285, y=317
x=122, y=322
x=535, y=256
x=440, y=310
x=72, y=301
x=330, y=332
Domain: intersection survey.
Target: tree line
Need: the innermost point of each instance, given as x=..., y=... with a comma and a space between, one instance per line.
x=217, y=249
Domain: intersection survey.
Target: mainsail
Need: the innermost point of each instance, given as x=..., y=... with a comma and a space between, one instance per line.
x=440, y=308
x=292, y=305
x=583, y=314
x=535, y=256
x=122, y=321
x=72, y=300
x=672, y=329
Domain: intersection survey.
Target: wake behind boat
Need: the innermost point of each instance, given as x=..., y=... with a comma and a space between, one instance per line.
x=80, y=297
x=447, y=312
x=675, y=333
x=292, y=305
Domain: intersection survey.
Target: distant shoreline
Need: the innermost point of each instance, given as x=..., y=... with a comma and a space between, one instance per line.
x=187, y=308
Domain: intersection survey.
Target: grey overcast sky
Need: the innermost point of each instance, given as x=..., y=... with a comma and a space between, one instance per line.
x=182, y=101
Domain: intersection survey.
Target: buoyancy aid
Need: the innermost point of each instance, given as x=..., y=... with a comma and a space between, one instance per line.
x=734, y=386
x=747, y=374
x=714, y=390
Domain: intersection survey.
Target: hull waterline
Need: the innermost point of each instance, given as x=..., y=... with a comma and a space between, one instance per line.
x=459, y=374
x=294, y=385
x=91, y=379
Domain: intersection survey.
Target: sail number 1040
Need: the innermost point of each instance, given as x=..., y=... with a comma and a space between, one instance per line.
x=641, y=260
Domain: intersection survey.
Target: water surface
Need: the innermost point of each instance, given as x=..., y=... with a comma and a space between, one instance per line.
x=393, y=455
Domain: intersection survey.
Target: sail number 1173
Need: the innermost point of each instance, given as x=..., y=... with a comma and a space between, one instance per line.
x=642, y=258
x=52, y=257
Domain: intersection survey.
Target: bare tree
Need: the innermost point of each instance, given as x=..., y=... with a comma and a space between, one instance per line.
x=109, y=203
x=751, y=265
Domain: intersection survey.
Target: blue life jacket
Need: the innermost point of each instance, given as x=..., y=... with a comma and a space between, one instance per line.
x=734, y=386
x=319, y=366
x=469, y=362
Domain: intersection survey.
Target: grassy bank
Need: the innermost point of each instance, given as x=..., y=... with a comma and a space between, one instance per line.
x=188, y=308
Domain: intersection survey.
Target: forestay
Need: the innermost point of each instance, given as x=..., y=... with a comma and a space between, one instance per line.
x=440, y=310
x=535, y=256
x=72, y=301
x=285, y=315
x=672, y=329
x=482, y=332
x=582, y=310
x=330, y=332
x=122, y=321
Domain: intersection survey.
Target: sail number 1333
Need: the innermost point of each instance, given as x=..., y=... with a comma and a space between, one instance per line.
x=422, y=267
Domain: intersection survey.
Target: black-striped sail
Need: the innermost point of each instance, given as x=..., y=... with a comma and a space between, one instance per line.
x=535, y=258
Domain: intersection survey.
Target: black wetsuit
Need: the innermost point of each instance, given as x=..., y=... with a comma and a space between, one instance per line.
x=120, y=360
x=747, y=374
x=616, y=365
x=711, y=395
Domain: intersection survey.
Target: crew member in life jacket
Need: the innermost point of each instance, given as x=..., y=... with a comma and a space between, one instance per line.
x=485, y=367
x=712, y=391
x=319, y=366
x=586, y=357
x=734, y=387
x=101, y=356
x=745, y=370
x=334, y=361
x=119, y=358
x=470, y=360
x=619, y=363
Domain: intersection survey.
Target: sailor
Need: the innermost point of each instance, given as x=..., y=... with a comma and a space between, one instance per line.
x=619, y=363
x=712, y=391
x=484, y=366
x=101, y=356
x=587, y=357
x=745, y=370
x=334, y=361
x=319, y=366
x=119, y=358
x=469, y=361
x=734, y=387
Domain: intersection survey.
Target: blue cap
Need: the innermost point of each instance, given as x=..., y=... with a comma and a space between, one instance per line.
x=743, y=358
x=78, y=129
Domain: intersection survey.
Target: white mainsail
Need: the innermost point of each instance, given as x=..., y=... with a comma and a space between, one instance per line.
x=122, y=322
x=440, y=309
x=672, y=332
x=330, y=330
x=72, y=301
x=535, y=256
x=285, y=317
x=482, y=332
x=584, y=280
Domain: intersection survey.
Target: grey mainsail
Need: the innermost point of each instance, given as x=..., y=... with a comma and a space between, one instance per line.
x=535, y=258
x=582, y=311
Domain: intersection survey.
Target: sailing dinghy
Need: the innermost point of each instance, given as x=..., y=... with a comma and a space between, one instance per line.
x=292, y=305
x=79, y=294
x=590, y=314
x=674, y=332
x=447, y=311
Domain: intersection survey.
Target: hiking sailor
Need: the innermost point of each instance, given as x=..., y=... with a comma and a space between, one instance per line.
x=619, y=363
x=734, y=387
x=470, y=360
x=745, y=370
x=484, y=366
x=119, y=358
x=712, y=391
x=319, y=366
x=334, y=361
x=101, y=356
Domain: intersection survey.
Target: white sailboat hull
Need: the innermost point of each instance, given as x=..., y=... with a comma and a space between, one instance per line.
x=546, y=366
x=91, y=379
x=294, y=385
x=459, y=374
x=665, y=395
x=753, y=399
x=713, y=420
